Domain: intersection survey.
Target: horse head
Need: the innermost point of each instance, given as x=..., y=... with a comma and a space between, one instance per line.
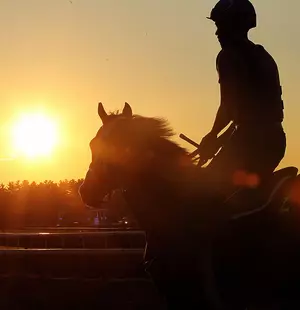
x=127, y=146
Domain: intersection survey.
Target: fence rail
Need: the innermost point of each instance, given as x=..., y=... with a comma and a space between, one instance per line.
x=118, y=240
x=75, y=270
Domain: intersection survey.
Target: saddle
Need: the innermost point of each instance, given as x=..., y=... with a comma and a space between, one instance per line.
x=270, y=197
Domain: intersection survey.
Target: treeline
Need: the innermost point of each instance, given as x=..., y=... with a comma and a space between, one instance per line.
x=24, y=204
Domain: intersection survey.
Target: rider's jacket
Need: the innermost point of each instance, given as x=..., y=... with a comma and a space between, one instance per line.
x=250, y=84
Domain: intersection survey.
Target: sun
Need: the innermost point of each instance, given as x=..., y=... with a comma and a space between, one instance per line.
x=34, y=135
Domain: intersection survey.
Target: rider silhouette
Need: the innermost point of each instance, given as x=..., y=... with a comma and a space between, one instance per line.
x=250, y=100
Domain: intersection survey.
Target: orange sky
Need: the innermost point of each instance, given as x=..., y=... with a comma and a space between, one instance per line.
x=158, y=55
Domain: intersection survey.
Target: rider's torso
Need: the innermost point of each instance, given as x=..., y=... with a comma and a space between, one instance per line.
x=250, y=84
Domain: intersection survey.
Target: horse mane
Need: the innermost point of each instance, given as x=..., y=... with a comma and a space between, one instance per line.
x=154, y=130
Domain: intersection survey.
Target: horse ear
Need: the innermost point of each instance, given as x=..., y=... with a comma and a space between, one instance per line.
x=101, y=112
x=127, y=111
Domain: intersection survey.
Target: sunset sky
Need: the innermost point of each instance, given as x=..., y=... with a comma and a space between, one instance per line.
x=61, y=58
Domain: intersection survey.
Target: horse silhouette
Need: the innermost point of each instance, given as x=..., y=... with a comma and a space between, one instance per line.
x=197, y=255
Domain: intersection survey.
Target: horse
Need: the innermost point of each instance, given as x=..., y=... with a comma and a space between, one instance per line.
x=170, y=198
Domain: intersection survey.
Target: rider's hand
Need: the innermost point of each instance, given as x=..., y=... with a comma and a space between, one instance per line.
x=208, y=146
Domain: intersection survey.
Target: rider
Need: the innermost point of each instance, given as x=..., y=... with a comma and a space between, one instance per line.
x=250, y=100
x=255, y=142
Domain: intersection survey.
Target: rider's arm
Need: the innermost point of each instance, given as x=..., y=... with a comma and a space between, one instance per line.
x=228, y=66
x=230, y=71
x=221, y=121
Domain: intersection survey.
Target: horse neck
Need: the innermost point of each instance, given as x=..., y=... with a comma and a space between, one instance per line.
x=158, y=189
x=169, y=166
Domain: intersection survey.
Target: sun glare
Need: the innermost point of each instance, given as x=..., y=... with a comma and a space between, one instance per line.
x=34, y=135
